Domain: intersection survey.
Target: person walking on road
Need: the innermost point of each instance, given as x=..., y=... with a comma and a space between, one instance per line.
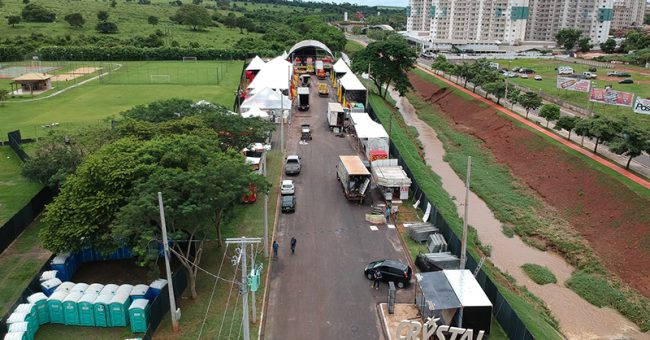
x=275, y=248
x=293, y=245
x=377, y=277
x=387, y=214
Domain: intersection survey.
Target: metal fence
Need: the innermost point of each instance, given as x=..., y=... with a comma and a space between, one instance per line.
x=14, y=143
x=503, y=312
x=160, y=305
x=24, y=217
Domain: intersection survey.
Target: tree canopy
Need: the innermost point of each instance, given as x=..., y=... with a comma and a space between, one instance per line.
x=389, y=61
x=75, y=20
x=530, y=101
x=197, y=17
x=568, y=37
x=550, y=112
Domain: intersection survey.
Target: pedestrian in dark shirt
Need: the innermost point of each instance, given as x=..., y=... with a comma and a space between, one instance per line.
x=275, y=248
x=377, y=277
x=293, y=245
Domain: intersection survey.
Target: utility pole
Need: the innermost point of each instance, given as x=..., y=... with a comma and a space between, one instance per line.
x=368, y=92
x=266, y=215
x=252, y=291
x=170, y=284
x=463, y=249
x=244, y=241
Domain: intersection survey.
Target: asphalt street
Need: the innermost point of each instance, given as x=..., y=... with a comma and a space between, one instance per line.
x=321, y=292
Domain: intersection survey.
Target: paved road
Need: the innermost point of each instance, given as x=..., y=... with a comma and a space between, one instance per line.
x=320, y=292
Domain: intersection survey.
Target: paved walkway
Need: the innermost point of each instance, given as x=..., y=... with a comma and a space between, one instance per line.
x=596, y=157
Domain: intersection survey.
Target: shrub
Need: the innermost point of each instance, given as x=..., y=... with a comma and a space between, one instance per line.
x=539, y=274
x=106, y=27
x=36, y=13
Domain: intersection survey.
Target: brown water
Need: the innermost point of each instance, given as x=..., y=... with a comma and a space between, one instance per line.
x=578, y=318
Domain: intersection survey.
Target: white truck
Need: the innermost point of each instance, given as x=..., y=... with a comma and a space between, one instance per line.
x=564, y=70
x=335, y=115
x=354, y=177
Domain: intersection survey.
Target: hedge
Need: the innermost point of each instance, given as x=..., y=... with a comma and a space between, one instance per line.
x=93, y=53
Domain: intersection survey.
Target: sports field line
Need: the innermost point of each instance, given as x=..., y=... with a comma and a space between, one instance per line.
x=631, y=176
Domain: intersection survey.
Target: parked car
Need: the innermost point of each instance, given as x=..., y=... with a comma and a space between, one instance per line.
x=526, y=70
x=511, y=75
x=626, y=81
x=287, y=187
x=619, y=74
x=589, y=75
x=523, y=75
x=428, y=55
x=292, y=167
x=538, y=77
x=391, y=270
x=288, y=203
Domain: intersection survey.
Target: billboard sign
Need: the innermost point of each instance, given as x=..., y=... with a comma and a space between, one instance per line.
x=573, y=84
x=642, y=106
x=611, y=97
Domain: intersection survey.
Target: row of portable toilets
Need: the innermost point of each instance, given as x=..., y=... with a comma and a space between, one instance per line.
x=80, y=304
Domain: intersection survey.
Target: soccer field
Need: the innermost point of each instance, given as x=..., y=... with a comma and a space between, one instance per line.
x=547, y=69
x=124, y=88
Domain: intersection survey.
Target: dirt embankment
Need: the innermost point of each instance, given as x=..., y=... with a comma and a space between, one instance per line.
x=614, y=219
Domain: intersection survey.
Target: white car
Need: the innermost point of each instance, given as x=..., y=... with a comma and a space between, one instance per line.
x=287, y=187
x=538, y=77
x=523, y=75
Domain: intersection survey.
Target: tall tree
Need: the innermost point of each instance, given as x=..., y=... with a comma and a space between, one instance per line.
x=567, y=123
x=244, y=23
x=568, y=37
x=603, y=129
x=13, y=20
x=584, y=45
x=441, y=63
x=550, y=112
x=530, y=101
x=497, y=89
x=631, y=142
x=389, y=61
x=609, y=46
x=75, y=20
x=197, y=17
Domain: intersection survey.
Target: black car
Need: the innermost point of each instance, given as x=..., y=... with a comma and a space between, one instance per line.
x=391, y=270
x=288, y=203
x=626, y=81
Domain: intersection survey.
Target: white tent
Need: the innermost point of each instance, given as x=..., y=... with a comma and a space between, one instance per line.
x=350, y=82
x=266, y=99
x=371, y=135
x=256, y=64
x=285, y=55
x=255, y=112
x=341, y=67
x=274, y=74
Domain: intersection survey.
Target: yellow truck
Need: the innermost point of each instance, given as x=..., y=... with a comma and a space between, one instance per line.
x=323, y=90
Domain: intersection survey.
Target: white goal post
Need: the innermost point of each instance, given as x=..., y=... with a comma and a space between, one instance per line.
x=189, y=59
x=159, y=78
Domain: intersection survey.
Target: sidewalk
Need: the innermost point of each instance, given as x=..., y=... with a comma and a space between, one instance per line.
x=640, y=165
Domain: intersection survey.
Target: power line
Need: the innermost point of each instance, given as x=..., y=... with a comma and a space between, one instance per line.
x=227, y=302
x=200, y=268
x=214, y=288
x=232, y=320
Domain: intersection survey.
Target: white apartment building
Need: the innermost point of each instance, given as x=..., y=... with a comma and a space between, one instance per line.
x=628, y=13
x=501, y=21
x=547, y=17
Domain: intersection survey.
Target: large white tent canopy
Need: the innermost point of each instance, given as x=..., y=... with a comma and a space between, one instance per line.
x=275, y=74
x=266, y=99
x=341, y=67
x=310, y=43
x=350, y=82
x=256, y=64
x=255, y=112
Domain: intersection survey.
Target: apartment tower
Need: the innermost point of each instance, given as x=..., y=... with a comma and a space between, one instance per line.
x=628, y=13
x=547, y=17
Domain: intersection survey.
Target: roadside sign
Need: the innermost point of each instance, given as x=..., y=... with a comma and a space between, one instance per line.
x=642, y=106
x=573, y=84
x=611, y=97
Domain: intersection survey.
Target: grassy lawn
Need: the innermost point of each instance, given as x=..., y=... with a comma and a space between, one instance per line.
x=18, y=264
x=546, y=68
x=95, y=101
x=539, y=274
x=130, y=17
x=15, y=190
x=352, y=46
x=531, y=310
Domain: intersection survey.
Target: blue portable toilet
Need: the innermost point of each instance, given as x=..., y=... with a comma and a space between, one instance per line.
x=71, y=309
x=65, y=287
x=87, y=255
x=86, y=306
x=155, y=288
x=79, y=288
x=95, y=288
x=40, y=303
x=48, y=287
x=109, y=289
x=32, y=316
x=119, y=312
x=77, y=260
x=139, y=292
x=101, y=308
x=64, y=264
x=139, y=315
x=48, y=275
x=20, y=328
x=55, y=306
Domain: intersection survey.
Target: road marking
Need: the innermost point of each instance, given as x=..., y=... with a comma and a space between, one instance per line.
x=391, y=226
x=374, y=228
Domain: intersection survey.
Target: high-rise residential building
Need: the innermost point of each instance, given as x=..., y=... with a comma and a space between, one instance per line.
x=547, y=17
x=469, y=20
x=628, y=13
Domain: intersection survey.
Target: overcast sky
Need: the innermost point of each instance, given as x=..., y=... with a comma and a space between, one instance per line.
x=402, y=3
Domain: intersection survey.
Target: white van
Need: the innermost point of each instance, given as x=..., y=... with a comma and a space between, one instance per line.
x=563, y=70
x=589, y=75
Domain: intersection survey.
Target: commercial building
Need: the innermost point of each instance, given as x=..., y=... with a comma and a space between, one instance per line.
x=547, y=17
x=628, y=13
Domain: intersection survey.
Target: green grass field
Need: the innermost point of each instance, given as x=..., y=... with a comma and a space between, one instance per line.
x=124, y=88
x=131, y=19
x=15, y=190
x=546, y=68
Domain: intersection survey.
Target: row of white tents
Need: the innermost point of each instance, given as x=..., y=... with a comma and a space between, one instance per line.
x=265, y=90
